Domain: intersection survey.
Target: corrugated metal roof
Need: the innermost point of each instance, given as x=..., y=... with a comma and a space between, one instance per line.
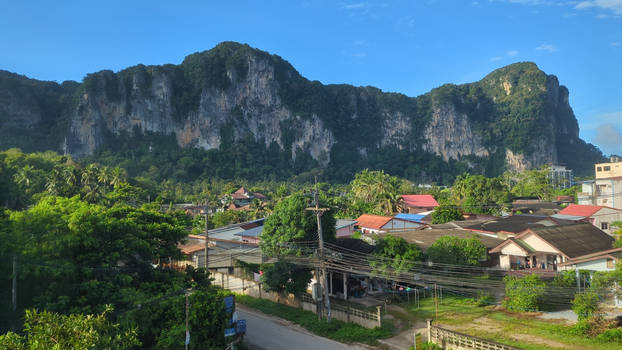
x=410, y=217
x=344, y=223
x=420, y=200
x=568, y=217
x=581, y=210
x=372, y=221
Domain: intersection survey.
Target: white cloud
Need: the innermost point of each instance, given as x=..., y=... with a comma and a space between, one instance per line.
x=614, y=118
x=616, y=43
x=546, y=47
x=359, y=54
x=609, y=138
x=512, y=53
x=496, y=58
x=612, y=5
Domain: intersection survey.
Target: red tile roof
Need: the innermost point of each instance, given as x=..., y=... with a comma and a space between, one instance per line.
x=420, y=200
x=580, y=210
x=374, y=222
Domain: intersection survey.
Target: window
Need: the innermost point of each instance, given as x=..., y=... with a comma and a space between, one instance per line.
x=607, y=168
x=610, y=264
x=604, y=225
x=599, y=169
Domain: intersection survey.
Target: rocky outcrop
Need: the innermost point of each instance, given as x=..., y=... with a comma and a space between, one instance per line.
x=234, y=93
x=449, y=135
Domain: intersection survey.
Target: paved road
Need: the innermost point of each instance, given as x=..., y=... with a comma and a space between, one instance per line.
x=271, y=333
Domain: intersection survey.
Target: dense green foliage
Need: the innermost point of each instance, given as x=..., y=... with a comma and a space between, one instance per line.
x=46, y=330
x=291, y=223
x=516, y=107
x=394, y=255
x=523, y=293
x=585, y=304
x=284, y=277
x=446, y=213
x=530, y=183
x=457, y=251
x=480, y=194
x=376, y=192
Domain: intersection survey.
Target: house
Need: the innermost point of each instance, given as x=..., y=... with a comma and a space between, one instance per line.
x=602, y=261
x=344, y=228
x=605, y=260
x=605, y=189
x=417, y=203
x=241, y=199
x=547, y=247
x=426, y=237
x=598, y=215
x=368, y=223
x=513, y=224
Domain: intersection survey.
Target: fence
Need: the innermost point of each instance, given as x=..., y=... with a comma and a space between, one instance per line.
x=347, y=313
x=450, y=340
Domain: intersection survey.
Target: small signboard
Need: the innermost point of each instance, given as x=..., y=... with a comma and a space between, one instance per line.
x=229, y=332
x=229, y=303
x=241, y=327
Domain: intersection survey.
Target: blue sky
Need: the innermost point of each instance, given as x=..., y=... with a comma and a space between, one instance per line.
x=402, y=46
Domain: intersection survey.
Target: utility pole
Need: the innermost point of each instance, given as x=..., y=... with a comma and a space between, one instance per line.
x=187, y=333
x=318, y=213
x=14, y=289
x=205, y=211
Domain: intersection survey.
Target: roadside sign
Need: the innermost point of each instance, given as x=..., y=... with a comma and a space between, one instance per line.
x=241, y=327
x=229, y=332
x=229, y=302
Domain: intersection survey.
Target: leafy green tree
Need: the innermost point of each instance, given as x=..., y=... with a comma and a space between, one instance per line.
x=523, y=293
x=531, y=183
x=160, y=322
x=284, y=277
x=83, y=256
x=457, y=251
x=480, y=194
x=45, y=330
x=291, y=223
x=446, y=213
x=394, y=255
x=585, y=305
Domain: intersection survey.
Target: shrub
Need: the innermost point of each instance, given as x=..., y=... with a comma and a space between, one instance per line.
x=611, y=336
x=523, y=294
x=585, y=305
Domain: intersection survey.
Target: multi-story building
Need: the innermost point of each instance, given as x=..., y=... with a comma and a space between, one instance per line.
x=606, y=189
x=561, y=177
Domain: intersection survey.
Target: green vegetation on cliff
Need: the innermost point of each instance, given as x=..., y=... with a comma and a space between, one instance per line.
x=518, y=107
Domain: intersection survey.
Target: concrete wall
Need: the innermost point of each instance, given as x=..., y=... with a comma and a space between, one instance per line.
x=538, y=244
x=607, y=215
x=595, y=265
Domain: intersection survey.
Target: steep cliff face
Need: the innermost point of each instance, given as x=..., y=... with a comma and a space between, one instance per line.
x=234, y=94
x=248, y=107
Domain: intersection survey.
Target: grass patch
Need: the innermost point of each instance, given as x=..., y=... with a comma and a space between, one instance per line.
x=462, y=312
x=336, y=330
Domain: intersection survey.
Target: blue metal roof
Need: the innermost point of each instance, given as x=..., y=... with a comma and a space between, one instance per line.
x=253, y=232
x=410, y=217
